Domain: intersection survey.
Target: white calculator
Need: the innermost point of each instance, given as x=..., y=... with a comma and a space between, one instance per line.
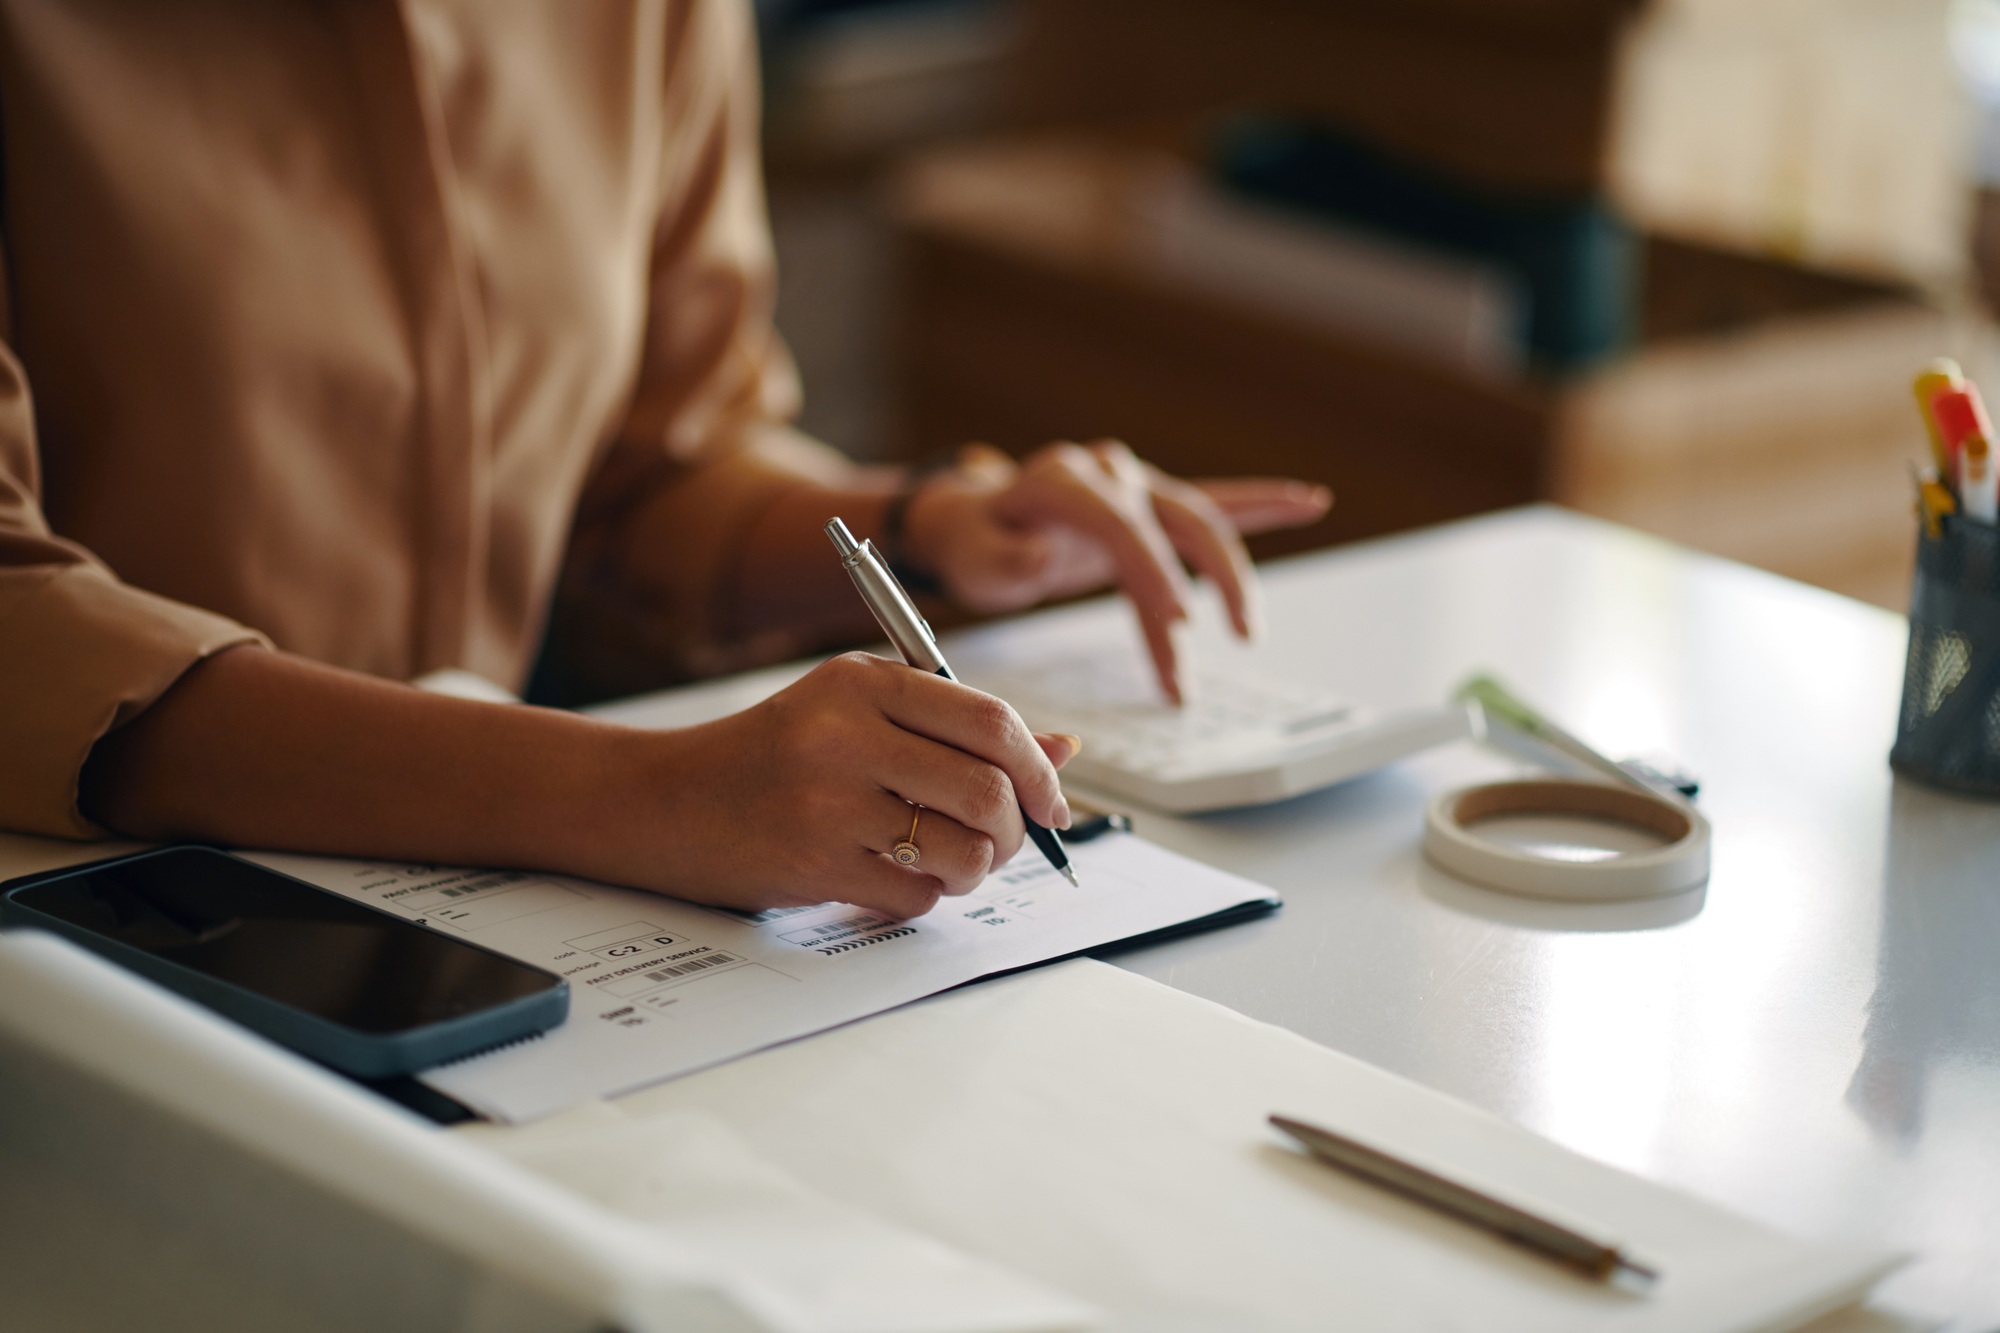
x=1238, y=742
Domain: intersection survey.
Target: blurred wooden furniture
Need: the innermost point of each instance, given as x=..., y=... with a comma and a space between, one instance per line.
x=1764, y=415
x=1515, y=93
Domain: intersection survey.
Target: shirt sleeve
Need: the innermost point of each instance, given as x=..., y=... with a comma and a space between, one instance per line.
x=80, y=651
x=705, y=444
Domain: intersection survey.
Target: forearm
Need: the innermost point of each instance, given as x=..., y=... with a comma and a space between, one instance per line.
x=790, y=577
x=259, y=748
x=791, y=801
x=739, y=542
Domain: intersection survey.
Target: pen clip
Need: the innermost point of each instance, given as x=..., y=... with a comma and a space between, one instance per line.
x=892, y=608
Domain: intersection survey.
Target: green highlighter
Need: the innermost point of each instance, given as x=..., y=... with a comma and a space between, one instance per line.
x=1499, y=704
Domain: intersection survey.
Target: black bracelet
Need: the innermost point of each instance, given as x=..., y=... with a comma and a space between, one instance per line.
x=895, y=520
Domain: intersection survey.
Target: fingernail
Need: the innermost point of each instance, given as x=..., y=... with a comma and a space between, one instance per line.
x=1074, y=742
x=1062, y=811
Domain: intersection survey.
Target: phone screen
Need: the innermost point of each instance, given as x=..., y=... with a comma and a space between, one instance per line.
x=295, y=944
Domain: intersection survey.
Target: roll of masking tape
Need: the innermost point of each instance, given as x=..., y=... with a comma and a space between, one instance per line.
x=1452, y=840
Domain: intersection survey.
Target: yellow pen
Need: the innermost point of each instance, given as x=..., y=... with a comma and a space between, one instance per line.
x=1933, y=379
x=1934, y=500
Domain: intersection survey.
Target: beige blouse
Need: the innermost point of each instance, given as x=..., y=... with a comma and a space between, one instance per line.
x=342, y=322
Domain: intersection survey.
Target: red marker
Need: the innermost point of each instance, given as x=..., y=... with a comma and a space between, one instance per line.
x=1959, y=414
x=1931, y=381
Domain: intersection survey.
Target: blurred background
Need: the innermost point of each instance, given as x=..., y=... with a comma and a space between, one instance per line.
x=1672, y=262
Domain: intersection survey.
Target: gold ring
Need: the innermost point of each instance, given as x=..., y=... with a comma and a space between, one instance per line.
x=906, y=852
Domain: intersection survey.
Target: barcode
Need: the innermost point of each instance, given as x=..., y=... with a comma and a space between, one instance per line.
x=691, y=965
x=779, y=913
x=851, y=926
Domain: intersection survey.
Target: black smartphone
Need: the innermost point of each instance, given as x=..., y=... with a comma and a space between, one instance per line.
x=343, y=983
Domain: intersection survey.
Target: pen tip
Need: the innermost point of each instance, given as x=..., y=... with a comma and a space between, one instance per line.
x=1070, y=875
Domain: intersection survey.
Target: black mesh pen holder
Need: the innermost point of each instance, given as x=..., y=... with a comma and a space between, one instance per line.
x=1949, y=731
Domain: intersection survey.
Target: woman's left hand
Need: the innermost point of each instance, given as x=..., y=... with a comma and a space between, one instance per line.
x=1071, y=518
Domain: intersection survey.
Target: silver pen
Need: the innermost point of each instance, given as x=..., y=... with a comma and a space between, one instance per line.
x=911, y=633
x=1592, y=1256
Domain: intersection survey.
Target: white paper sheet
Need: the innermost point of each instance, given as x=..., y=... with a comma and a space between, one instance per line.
x=660, y=987
x=818, y=1265
x=114, y=1090
x=1105, y=1134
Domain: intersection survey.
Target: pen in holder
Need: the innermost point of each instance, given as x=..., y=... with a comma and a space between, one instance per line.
x=1949, y=731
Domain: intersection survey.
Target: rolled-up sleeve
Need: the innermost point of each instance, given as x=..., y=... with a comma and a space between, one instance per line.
x=80, y=651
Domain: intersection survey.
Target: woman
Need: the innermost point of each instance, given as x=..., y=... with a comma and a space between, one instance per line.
x=362, y=335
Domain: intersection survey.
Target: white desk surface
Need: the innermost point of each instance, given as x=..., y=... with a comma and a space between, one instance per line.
x=1813, y=1040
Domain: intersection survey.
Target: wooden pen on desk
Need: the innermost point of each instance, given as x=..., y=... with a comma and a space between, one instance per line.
x=1589, y=1255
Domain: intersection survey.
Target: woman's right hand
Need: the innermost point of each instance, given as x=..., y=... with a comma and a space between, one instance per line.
x=800, y=798
x=797, y=800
